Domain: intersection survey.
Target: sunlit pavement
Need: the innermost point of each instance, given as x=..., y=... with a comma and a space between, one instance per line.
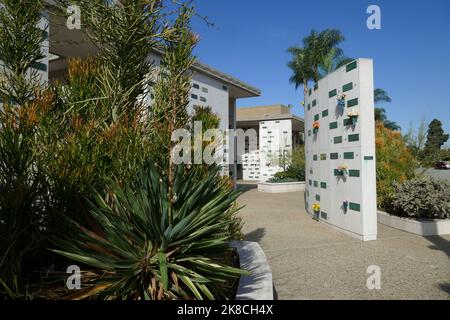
x=309, y=260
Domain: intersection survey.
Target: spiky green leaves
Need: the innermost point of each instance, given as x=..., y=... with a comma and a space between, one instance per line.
x=160, y=248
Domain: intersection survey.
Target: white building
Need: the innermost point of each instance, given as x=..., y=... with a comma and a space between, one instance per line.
x=278, y=132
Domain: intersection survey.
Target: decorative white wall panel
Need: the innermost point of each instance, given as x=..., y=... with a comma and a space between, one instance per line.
x=275, y=139
x=345, y=138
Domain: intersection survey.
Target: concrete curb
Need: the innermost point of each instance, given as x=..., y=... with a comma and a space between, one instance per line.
x=420, y=227
x=281, y=187
x=258, y=285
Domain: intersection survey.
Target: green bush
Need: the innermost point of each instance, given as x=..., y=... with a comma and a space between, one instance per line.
x=153, y=246
x=422, y=197
x=292, y=174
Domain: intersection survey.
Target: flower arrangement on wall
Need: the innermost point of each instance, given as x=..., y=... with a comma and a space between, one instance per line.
x=343, y=170
x=341, y=100
x=316, y=126
x=353, y=116
x=316, y=209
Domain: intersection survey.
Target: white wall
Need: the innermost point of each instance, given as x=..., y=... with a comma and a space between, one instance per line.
x=216, y=96
x=359, y=188
x=275, y=137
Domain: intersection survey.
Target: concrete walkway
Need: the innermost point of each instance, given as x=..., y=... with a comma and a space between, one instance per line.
x=309, y=260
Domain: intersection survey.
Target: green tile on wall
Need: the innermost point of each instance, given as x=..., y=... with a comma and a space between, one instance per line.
x=324, y=113
x=316, y=86
x=349, y=155
x=353, y=173
x=354, y=206
x=309, y=132
x=347, y=87
x=314, y=103
x=316, y=184
x=315, y=157
x=334, y=156
x=323, y=156
x=316, y=117
x=352, y=103
x=323, y=215
x=39, y=66
x=317, y=197
x=368, y=157
x=333, y=125
x=351, y=66
x=337, y=140
x=309, y=91
x=348, y=122
x=323, y=185
x=353, y=137
x=337, y=172
x=309, y=106
x=310, y=182
x=332, y=93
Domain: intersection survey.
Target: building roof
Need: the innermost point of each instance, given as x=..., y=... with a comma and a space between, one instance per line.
x=68, y=43
x=251, y=116
x=199, y=66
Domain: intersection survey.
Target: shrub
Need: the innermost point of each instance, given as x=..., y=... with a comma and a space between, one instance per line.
x=395, y=163
x=296, y=169
x=152, y=246
x=292, y=174
x=422, y=197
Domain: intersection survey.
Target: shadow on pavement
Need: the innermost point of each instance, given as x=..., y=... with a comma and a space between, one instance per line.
x=256, y=235
x=244, y=187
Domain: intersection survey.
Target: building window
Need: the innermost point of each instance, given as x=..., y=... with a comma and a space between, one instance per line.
x=194, y=96
x=351, y=66
x=205, y=90
x=225, y=88
x=202, y=99
x=352, y=103
x=347, y=87
x=195, y=86
x=332, y=93
x=337, y=140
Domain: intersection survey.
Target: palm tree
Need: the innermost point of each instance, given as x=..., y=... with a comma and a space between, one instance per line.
x=307, y=60
x=381, y=95
x=322, y=45
x=333, y=61
x=301, y=68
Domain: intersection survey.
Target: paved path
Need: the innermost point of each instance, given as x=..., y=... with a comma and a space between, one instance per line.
x=309, y=260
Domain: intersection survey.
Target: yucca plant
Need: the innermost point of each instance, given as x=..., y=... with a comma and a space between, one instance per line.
x=152, y=246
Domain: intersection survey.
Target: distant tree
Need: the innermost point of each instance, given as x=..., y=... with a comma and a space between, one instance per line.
x=416, y=140
x=381, y=95
x=436, y=137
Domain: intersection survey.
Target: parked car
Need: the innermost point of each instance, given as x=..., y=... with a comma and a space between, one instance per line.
x=442, y=165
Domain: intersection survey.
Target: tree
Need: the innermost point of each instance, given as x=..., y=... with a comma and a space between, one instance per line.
x=416, y=140
x=301, y=68
x=308, y=60
x=381, y=95
x=395, y=163
x=435, y=137
x=333, y=61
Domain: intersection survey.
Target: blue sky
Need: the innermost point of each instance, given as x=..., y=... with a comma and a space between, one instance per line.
x=411, y=52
